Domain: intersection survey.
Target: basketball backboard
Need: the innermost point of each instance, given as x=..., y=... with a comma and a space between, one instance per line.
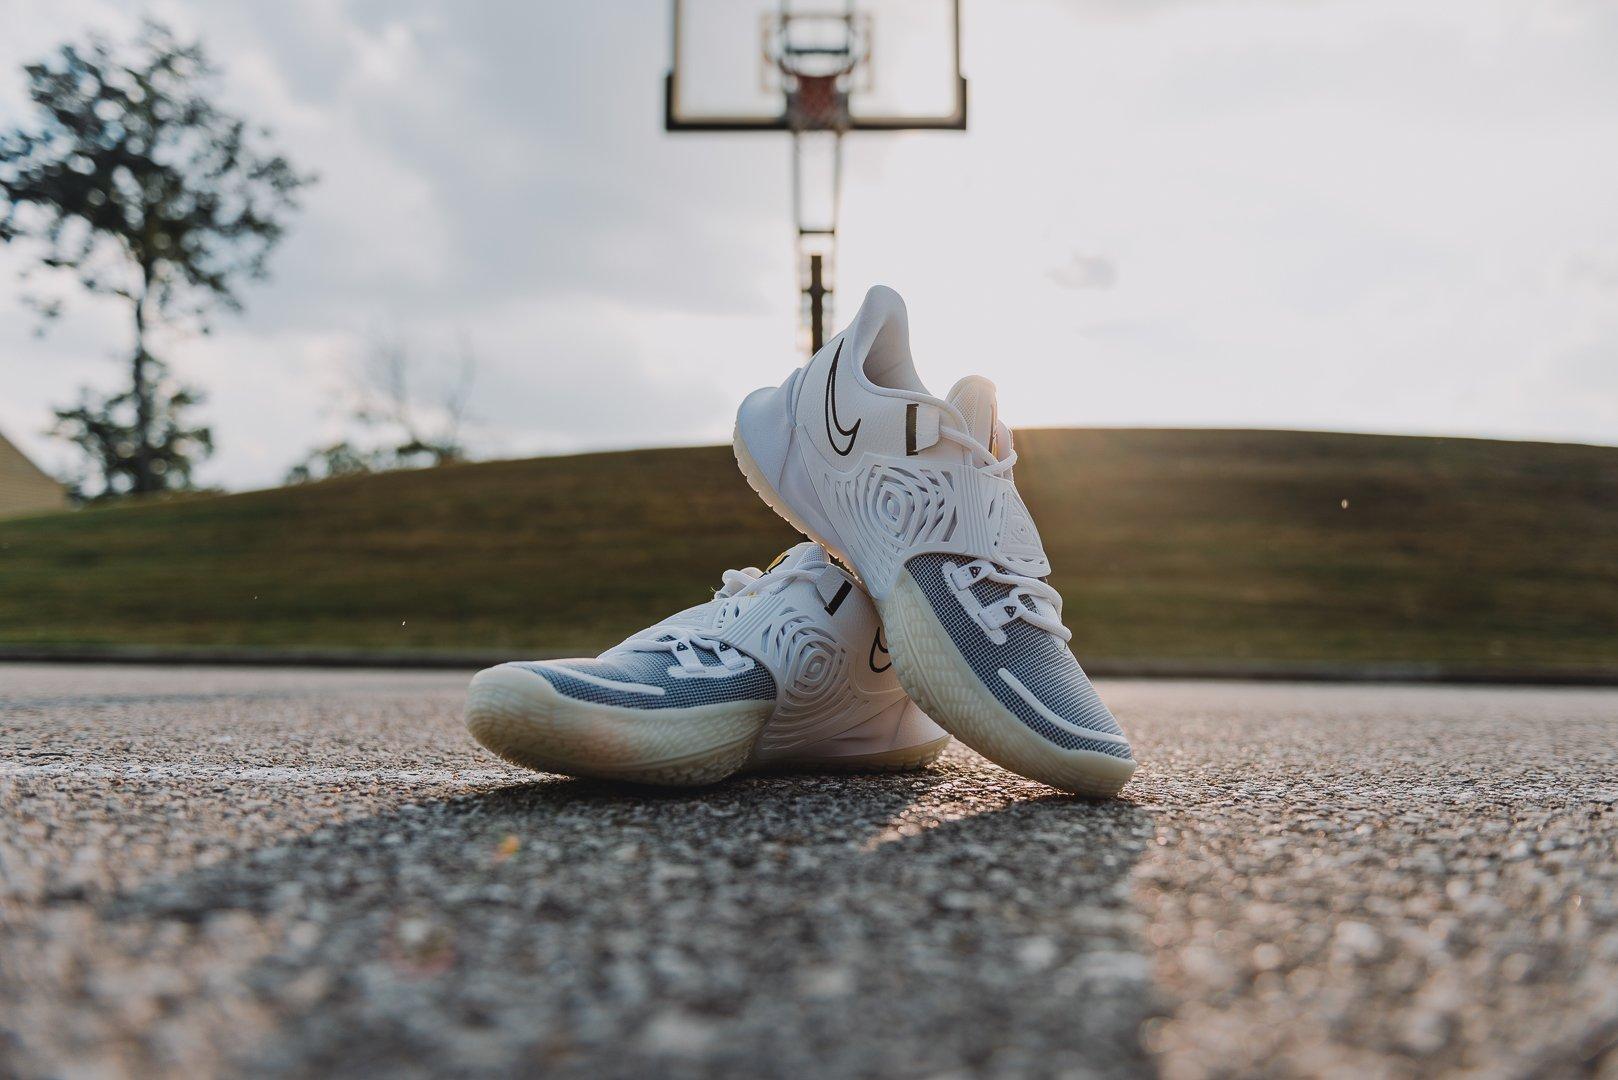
x=846, y=65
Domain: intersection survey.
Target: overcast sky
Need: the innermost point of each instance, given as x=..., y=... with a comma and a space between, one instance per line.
x=1366, y=215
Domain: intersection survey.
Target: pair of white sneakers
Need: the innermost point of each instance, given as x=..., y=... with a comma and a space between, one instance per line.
x=949, y=627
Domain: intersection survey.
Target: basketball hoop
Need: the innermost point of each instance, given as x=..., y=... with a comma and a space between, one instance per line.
x=817, y=70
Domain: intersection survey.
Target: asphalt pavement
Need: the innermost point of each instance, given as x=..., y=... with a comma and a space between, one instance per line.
x=291, y=872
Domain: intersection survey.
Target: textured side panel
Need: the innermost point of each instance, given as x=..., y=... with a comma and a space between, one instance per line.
x=1017, y=545
x=888, y=509
x=891, y=509
x=815, y=690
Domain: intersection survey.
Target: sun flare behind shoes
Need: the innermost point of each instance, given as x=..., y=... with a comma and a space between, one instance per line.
x=916, y=493
x=787, y=667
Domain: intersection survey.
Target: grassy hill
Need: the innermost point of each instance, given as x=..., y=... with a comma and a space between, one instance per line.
x=1167, y=544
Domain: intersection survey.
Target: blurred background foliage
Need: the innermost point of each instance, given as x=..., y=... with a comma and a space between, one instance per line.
x=1254, y=545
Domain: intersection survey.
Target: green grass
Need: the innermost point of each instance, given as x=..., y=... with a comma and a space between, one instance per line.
x=1167, y=544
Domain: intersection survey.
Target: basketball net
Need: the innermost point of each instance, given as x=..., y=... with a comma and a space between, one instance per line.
x=817, y=103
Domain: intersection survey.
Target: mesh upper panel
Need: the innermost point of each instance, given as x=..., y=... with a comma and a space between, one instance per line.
x=652, y=669
x=1040, y=661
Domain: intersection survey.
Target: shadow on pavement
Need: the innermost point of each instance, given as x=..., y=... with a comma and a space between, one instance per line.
x=785, y=925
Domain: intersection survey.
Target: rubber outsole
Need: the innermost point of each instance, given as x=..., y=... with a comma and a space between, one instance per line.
x=521, y=717
x=938, y=679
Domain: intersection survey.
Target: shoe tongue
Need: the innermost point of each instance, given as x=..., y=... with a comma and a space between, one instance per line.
x=807, y=556
x=974, y=397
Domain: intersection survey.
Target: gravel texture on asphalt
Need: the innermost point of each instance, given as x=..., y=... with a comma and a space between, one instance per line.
x=282, y=872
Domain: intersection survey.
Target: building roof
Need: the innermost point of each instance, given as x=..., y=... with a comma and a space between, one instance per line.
x=24, y=487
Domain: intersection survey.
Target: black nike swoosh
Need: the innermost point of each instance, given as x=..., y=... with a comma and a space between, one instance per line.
x=878, y=643
x=831, y=410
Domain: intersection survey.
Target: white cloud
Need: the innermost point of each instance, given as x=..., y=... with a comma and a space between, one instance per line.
x=1358, y=214
x=1086, y=272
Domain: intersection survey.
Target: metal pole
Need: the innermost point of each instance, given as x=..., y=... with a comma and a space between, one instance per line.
x=817, y=306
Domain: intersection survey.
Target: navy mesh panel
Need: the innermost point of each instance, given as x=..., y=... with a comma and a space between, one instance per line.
x=652, y=668
x=1040, y=661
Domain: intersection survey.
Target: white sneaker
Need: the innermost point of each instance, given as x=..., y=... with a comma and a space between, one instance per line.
x=916, y=494
x=781, y=668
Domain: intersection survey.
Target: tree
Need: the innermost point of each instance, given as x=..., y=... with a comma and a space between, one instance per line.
x=134, y=183
x=104, y=428
x=411, y=430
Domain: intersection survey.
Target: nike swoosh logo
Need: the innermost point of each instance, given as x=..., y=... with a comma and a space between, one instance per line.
x=831, y=410
x=877, y=644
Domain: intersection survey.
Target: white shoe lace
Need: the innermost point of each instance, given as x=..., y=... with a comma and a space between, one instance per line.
x=1035, y=591
x=737, y=586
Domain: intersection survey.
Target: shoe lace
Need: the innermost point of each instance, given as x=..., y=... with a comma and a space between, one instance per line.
x=1030, y=597
x=736, y=588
